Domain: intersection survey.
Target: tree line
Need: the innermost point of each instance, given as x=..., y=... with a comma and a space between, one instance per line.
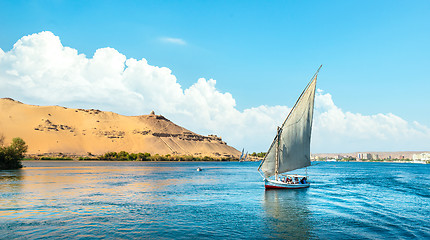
x=125, y=156
x=260, y=154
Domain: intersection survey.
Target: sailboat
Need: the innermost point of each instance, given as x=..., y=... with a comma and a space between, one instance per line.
x=241, y=156
x=290, y=150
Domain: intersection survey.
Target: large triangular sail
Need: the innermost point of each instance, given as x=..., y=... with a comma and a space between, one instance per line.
x=292, y=151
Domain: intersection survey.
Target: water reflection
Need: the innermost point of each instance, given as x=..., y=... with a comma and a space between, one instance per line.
x=10, y=186
x=72, y=189
x=288, y=215
x=10, y=179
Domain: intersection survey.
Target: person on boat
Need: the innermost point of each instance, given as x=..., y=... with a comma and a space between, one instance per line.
x=303, y=181
x=296, y=180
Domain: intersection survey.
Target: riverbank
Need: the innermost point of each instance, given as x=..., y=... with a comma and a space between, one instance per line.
x=125, y=156
x=378, y=161
x=133, y=157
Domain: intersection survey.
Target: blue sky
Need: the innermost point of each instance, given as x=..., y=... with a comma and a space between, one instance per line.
x=375, y=54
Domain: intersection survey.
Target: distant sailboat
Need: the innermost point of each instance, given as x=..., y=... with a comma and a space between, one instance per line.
x=243, y=158
x=240, y=159
x=290, y=149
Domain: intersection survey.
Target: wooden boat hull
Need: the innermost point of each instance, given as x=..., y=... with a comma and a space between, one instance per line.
x=272, y=184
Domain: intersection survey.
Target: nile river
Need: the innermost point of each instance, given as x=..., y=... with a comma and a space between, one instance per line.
x=227, y=200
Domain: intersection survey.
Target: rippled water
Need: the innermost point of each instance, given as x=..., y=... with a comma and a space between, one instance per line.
x=227, y=200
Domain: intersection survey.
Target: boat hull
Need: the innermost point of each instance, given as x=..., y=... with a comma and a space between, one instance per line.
x=272, y=184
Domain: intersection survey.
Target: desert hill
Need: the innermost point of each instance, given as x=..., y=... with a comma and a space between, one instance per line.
x=54, y=129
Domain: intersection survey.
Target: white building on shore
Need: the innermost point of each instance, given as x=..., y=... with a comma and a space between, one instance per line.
x=421, y=157
x=364, y=156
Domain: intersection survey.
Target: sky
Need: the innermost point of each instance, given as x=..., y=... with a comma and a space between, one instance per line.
x=230, y=68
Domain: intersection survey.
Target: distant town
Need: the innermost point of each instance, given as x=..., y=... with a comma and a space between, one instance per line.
x=410, y=156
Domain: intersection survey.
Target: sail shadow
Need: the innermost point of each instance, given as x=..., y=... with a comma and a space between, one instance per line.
x=287, y=213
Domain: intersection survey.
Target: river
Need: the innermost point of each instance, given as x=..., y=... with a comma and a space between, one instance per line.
x=227, y=200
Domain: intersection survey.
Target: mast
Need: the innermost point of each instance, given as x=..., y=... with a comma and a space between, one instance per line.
x=277, y=153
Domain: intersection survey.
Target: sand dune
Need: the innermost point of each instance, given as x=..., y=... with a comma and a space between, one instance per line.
x=54, y=129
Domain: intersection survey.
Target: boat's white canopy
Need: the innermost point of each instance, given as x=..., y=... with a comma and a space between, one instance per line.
x=293, y=175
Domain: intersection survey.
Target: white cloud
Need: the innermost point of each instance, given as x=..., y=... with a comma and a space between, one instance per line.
x=40, y=70
x=339, y=131
x=177, y=41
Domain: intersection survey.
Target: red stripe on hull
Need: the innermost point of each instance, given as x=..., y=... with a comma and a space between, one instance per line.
x=277, y=187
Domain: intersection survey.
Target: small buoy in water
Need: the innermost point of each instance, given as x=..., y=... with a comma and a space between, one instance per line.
x=199, y=169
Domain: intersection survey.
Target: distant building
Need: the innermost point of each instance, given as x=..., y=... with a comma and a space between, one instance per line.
x=364, y=156
x=421, y=157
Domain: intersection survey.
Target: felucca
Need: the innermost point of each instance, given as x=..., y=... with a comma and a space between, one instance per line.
x=290, y=150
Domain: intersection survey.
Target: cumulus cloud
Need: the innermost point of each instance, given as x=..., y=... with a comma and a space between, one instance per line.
x=40, y=70
x=334, y=127
x=177, y=41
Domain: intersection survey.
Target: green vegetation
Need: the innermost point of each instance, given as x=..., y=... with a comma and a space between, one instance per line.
x=260, y=155
x=347, y=159
x=11, y=156
x=56, y=158
x=125, y=156
x=121, y=156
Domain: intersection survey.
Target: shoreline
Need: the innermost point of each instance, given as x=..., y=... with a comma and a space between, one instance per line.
x=376, y=161
x=105, y=160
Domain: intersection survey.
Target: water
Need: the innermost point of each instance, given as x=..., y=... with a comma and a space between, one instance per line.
x=227, y=200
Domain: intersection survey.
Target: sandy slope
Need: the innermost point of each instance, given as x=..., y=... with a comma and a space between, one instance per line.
x=54, y=129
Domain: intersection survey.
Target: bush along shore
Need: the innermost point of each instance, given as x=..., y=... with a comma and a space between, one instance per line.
x=11, y=156
x=125, y=156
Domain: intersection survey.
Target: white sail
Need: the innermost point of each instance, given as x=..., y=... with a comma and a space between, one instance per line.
x=294, y=137
x=243, y=149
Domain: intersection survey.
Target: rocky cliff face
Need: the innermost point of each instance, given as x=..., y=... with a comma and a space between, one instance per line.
x=54, y=129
